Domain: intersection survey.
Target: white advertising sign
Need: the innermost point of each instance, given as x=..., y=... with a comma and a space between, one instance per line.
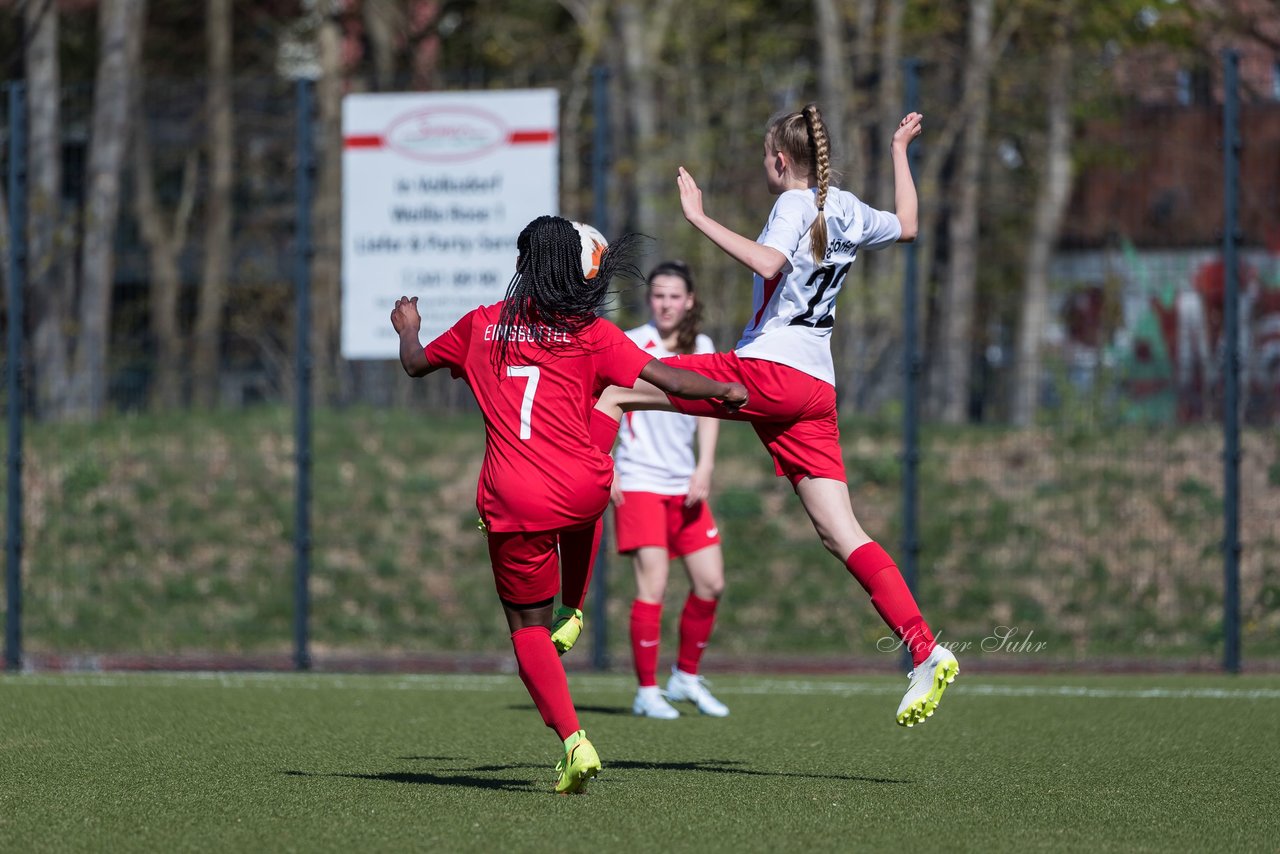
x=436, y=187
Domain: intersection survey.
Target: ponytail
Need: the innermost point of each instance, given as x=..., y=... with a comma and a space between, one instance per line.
x=822, y=168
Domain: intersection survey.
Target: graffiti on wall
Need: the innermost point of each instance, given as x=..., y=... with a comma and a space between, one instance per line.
x=1149, y=325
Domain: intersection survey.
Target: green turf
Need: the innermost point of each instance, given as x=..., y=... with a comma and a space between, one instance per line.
x=168, y=762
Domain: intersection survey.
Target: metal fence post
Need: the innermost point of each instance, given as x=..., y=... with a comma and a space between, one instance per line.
x=17, y=189
x=1231, y=364
x=600, y=157
x=911, y=368
x=302, y=332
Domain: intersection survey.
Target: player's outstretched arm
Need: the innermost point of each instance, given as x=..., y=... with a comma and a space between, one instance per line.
x=906, y=204
x=691, y=385
x=764, y=261
x=408, y=324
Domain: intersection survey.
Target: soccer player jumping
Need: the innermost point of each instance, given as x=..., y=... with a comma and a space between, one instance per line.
x=535, y=362
x=799, y=263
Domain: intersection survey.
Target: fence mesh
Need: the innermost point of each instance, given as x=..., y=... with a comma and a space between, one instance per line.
x=1093, y=536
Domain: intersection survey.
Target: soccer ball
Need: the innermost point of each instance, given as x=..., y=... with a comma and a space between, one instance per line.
x=593, y=246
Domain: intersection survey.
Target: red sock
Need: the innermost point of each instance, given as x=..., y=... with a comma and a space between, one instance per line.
x=879, y=576
x=646, y=630
x=696, y=622
x=578, y=550
x=543, y=674
x=602, y=430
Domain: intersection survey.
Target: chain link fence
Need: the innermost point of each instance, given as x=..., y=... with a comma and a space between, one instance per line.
x=164, y=533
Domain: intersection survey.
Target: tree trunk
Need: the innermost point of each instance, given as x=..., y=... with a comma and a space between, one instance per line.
x=1051, y=202
x=48, y=279
x=385, y=21
x=857, y=159
x=950, y=387
x=591, y=20
x=833, y=67
x=165, y=242
x=938, y=146
x=120, y=31
x=834, y=95
x=643, y=36
x=424, y=47
x=879, y=331
x=326, y=214
x=211, y=308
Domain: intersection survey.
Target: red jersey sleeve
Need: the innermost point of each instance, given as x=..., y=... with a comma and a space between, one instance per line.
x=450, y=349
x=619, y=360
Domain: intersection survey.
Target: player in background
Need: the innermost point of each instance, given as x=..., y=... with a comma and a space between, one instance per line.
x=535, y=362
x=799, y=262
x=660, y=493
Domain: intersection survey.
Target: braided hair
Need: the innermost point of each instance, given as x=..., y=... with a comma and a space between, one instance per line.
x=691, y=324
x=549, y=294
x=803, y=138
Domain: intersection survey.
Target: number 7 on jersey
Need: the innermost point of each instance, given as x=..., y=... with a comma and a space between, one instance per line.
x=530, y=389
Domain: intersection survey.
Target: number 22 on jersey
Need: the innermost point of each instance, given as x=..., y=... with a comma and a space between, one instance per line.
x=532, y=372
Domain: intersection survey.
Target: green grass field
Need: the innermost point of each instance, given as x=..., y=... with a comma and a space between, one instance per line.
x=284, y=762
x=164, y=534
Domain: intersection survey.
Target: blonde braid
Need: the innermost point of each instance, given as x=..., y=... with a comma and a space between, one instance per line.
x=822, y=169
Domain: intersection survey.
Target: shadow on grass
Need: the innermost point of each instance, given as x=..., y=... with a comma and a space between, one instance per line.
x=426, y=779
x=710, y=766
x=464, y=778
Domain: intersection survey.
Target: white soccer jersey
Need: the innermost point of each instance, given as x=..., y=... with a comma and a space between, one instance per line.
x=655, y=449
x=792, y=314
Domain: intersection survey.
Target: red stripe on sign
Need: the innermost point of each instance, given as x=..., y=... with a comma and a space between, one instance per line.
x=363, y=142
x=519, y=137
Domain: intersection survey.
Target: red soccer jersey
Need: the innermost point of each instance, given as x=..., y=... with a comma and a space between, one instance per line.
x=540, y=470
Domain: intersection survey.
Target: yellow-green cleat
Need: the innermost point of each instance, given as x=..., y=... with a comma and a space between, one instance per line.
x=566, y=629
x=928, y=681
x=580, y=764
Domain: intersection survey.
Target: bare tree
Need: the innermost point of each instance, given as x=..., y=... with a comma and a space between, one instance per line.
x=326, y=210
x=424, y=42
x=939, y=144
x=643, y=32
x=211, y=307
x=1051, y=203
x=949, y=391
x=835, y=96
x=385, y=22
x=48, y=279
x=592, y=21
x=856, y=161
x=833, y=65
x=879, y=321
x=165, y=236
x=120, y=33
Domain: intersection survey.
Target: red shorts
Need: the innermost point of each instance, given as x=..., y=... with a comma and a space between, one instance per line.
x=526, y=564
x=793, y=413
x=649, y=519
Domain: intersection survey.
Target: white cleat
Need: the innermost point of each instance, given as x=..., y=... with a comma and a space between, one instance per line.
x=687, y=686
x=651, y=704
x=928, y=681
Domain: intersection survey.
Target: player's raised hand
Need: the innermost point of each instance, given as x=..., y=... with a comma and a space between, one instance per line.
x=405, y=315
x=908, y=129
x=690, y=195
x=735, y=396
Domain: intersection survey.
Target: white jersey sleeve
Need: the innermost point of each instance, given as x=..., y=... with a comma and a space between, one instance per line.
x=655, y=449
x=794, y=312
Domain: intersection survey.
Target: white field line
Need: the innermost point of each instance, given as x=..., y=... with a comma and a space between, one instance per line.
x=509, y=682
